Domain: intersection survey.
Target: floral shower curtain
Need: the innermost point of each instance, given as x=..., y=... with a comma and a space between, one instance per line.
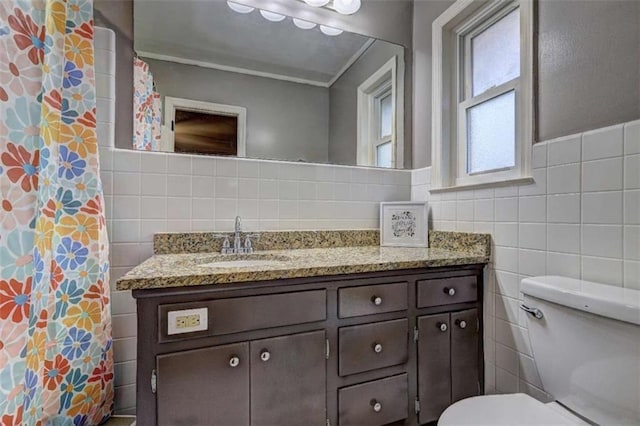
x=147, y=108
x=55, y=329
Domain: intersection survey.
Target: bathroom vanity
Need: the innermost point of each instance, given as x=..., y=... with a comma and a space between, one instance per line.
x=355, y=335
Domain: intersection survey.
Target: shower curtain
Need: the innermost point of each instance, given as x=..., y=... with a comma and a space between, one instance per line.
x=147, y=108
x=56, y=362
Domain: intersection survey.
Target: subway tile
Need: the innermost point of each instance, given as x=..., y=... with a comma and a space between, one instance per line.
x=124, y=349
x=602, y=143
x=506, y=309
x=507, y=284
x=248, y=209
x=506, y=259
x=563, y=179
x=288, y=190
x=632, y=172
x=178, y=185
x=178, y=208
x=125, y=231
x=152, y=162
x=506, y=209
x=483, y=210
x=563, y=264
x=563, y=238
x=632, y=207
x=179, y=164
x=124, y=373
x=124, y=325
x=125, y=397
x=632, y=274
x=269, y=170
x=248, y=188
x=563, y=208
x=506, y=234
x=225, y=209
x=632, y=138
x=124, y=254
x=150, y=227
x=153, y=208
x=532, y=262
x=153, y=184
x=202, y=165
x=506, y=358
x=249, y=168
x=226, y=187
x=528, y=371
x=288, y=209
x=602, y=240
x=126, y=207
x=533, y=236
x=631, y=242
x=126, y=160
x=539, y=156
x=464, y=211
x=601, y=270
x=539, y=185
x=203, y=186
x=602, y=175
x=226, y=167
x=602, y=207
x=506, y=382
x=268, y=189
x=532, y=209
x=268, y=209
x=307, y=191
x=564, y=150
x=202, y=208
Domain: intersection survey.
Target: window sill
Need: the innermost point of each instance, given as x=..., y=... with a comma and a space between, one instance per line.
x=493, y=184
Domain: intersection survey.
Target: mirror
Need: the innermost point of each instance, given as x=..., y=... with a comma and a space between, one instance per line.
x=221, y=78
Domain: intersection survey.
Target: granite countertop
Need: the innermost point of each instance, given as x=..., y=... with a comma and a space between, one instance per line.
x=185, y=269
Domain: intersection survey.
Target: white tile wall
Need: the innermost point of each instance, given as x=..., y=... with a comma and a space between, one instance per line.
x=156, y=192
x=580, y=219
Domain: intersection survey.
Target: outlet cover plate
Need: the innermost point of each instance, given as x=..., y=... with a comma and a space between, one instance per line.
x=175, y=317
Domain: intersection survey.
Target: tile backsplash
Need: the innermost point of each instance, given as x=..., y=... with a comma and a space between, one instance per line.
x=579, y=218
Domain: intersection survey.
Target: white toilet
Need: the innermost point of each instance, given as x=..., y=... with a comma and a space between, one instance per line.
x=585, y=339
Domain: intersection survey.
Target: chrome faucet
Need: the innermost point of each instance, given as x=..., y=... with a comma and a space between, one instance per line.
x=238, y=247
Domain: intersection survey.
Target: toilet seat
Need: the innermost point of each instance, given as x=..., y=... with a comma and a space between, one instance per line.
x=506, y=410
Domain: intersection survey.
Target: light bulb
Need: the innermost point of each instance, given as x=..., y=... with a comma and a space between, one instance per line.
x=240, y=8
x=316, y=3
x=330, y=31
x=347, y=7
x=304, y=25
x=272, y=16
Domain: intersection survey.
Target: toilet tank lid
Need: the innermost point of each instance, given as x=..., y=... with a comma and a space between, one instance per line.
x=622, y=304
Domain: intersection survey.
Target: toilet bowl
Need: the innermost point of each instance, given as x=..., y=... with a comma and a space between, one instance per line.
x=585, y=339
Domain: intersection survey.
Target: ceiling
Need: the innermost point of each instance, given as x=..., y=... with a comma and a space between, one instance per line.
x=211, y=33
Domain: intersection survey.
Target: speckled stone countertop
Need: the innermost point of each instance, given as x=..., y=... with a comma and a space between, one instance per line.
x=187, y=268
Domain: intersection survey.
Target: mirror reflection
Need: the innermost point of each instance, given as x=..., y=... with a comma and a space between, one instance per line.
x=222, y=78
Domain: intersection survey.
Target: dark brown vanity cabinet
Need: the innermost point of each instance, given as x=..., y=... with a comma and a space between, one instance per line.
x=354, y=350
x=448, y=360
x=275, y=381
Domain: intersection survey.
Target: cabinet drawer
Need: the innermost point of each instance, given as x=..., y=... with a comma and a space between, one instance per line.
x=226, y=316
x=447, y=291
x=371, y=346
x=371, y=299
x=375, y=403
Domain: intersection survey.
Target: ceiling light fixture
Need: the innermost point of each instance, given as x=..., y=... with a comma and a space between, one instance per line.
x=347, y=7
x=302, y=24
x=330, y=31
x=316, y=3
x=272, y=16
x=240, y=8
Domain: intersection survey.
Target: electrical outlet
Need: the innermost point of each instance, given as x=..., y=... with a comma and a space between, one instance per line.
x=187, y=321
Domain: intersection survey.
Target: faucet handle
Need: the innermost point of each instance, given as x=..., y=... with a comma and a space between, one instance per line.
x=248, y=248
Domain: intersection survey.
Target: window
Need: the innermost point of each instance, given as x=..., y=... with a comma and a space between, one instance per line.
x=482, y=80
x=380, y=103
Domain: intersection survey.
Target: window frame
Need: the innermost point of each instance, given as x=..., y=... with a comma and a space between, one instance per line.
x=452, y=34
x=389, y=78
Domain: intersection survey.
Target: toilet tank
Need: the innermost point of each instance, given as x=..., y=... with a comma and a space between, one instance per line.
x=587, y=346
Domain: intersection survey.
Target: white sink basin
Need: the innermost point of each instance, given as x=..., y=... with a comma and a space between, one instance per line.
x=243, y=261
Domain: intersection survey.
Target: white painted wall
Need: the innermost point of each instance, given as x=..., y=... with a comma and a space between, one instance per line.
x=581, y=219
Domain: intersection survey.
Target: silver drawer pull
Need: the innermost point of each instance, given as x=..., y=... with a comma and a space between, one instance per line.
x=377, y=348
x=461, y=323
x=533, y=311
x=377, y=407
x=450, y=291
x=442, y=326
x=376, y=300
x=234, y=361
x=265, y=355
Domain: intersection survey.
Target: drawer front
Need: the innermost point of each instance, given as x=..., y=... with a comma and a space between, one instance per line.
x=375, y=403
x=235, y=315
x=372, y=299
x=372, y=346
x=447, y=291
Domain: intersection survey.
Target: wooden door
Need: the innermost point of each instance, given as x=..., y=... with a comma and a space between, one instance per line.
x=465, y=377
x=204, y=387
x=288, y=380
x=434, y=366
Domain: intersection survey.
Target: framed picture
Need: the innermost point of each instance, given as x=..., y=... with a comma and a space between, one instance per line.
x=403, y=224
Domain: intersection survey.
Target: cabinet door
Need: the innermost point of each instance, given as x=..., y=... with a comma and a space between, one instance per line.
x=204, y=387
x=465, y=378
x=288, y=380
x=434, y=367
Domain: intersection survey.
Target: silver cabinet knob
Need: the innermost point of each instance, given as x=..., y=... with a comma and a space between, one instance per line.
x=265, y=355
x=234, y=361
x=461, y=323
x=377, y=407
x=442, y=326
x=450, y=291
x=377, y=348
x=376, y=300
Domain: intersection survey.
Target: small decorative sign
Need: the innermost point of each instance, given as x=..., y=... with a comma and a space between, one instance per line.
x=403, y=224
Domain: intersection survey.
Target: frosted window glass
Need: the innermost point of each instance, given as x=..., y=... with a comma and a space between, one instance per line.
x=383, y=155
x=491, y=130
x=495, y=53
x=386, y=116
